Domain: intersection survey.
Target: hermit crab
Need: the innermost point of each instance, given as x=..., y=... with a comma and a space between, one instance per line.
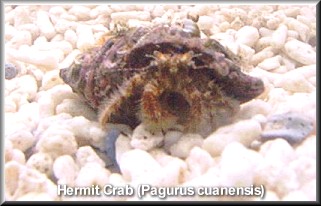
x=162, y=76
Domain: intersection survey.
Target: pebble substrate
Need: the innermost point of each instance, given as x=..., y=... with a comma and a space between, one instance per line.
x=52, y=137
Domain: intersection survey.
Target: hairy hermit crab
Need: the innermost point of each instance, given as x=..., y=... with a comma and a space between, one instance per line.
x=162, y=76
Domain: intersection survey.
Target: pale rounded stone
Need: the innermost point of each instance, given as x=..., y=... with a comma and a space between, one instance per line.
x=65, y=170
x=124, y=16
x=185, y=144
x=139, y=166
x=51, y=79
x=57, y=38
x=247, y=35
x=122, y=146
x=273, y=23
x=22, y=140
x=198, y=162
x=81, y=12
x=145, y=140
x=21, y=15
x=47, y=60
x=134, y=23
x=45, y=25
x=310, y=190
x=21, y=38
x=63, y=25
x=34, y=196
x=294, y=82
x=76, y=107
x=87, y=132
x=9, y=105
x=205, y=22
x=270, y=63
x=305, y=168
x=26, y=85
x=278, y=149
x=42, y=162
x=279, y=36
x=245, y=132
x=18, y=156
x=86, y=154
x=92, y=174
x=299, y=27
x=69, y=59
x=265, y=32
x=71, y=37
x=21, y=180
x=58, y=44
x=57, y=10
x=243, y=162
x=260, y=56
x=57, y=141
x=254, y=107
x=300, y=52
x=295, y=196
x=307, y=148
x=100, y=10
x=85, y=37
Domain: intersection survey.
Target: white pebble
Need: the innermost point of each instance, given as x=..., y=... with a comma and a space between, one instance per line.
x=185, y=144
x=21, y=180
x=51, y=79
x=243, y=162
x=270, y=63
x=26, y=85
x=71, y=37
x=85, y=130
x=60, y=44
x=122, y=146
x=279, y=36
x=67, y=62
x=18, y=156
x=294, y=82
x=300, y=52
x=22, y=140
x=9, y=105
x=92, y=174
x=139, y=166
x=86, y=37
x=124, y=16
x=47, y=60
x=81, y=12
x=57, y=10
x=254, y=107
x=63, y=25
x=45, y=25
x=57, y=141
x=247, y=35
x=245, y=132
x=299, y=27
x=86, y=154
x=296, y=196
x=76, y=107
x=65, y=170
x=260, y=56
x=205, y=22
x=21, y=38
x=198, y=162
x=21, y=15
x=42, y=162
x=100, y=10
x=35, y=196
x=145, y=140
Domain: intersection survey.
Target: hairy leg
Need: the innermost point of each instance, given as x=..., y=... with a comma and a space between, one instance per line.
x=116, y=100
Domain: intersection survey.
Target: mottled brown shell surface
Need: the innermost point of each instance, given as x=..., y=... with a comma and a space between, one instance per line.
x=162, y=76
